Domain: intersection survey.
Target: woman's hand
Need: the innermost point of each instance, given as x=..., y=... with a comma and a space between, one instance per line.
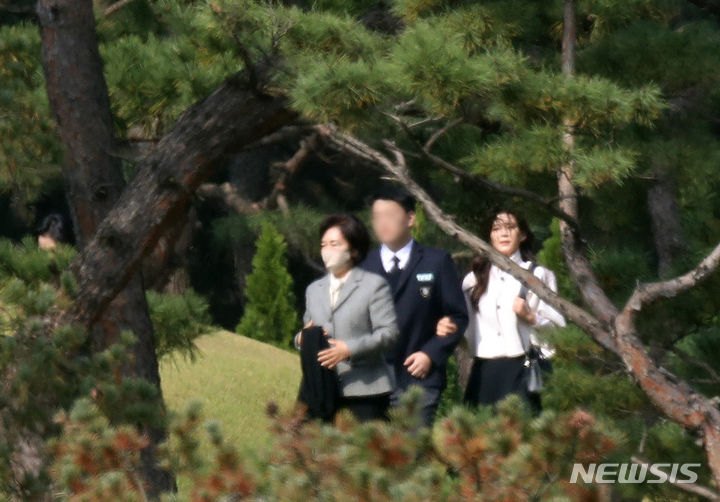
x=337, y=352
x=445, y=327
x=522, y=310
x=309, y=325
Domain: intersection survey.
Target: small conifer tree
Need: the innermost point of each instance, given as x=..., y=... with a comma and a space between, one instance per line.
x=269, y=315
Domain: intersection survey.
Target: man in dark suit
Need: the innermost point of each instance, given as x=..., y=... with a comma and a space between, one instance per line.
x=431, y=310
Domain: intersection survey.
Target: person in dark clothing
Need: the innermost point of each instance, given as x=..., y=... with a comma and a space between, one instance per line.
x=430, y=307
x=51, y=231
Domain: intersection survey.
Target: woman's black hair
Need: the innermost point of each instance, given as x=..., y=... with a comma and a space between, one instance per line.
x=53, y=225
x=480, y=266
x=354, y=232
x=396, y=194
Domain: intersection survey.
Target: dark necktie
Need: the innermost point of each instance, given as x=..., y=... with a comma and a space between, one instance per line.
x=394, y=272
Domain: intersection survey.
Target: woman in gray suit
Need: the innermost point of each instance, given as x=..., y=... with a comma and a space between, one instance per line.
x=355, y=309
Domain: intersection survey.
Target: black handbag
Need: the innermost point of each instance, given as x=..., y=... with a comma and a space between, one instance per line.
x=535, y=362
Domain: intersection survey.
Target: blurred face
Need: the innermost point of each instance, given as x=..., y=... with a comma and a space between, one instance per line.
x=505, y=235
x=46, y=242
x=391, y=223
x=335, y=251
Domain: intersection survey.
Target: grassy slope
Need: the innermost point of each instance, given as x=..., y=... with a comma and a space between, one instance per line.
x=235, y=377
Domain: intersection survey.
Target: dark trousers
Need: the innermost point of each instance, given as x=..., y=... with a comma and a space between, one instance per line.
x=492, y=379
x=366, y=408
x=429, y=406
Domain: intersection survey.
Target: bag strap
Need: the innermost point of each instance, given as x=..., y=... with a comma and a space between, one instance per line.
x=524, y=289
x=524, y=334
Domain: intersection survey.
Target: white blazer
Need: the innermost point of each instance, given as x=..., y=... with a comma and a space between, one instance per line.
x=494, y=329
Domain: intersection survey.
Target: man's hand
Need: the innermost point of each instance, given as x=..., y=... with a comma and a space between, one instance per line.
x=445, y=327
x=337, y=352
x=521, y=309
x=418, y=364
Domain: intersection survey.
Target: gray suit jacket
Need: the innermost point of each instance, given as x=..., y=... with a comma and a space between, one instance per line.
x=364, y=318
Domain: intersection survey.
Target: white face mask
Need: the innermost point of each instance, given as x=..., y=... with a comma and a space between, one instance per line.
x=336, y=261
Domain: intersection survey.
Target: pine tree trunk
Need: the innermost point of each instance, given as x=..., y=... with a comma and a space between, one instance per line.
x=671, y=396
x=233, y=116
x=665, y=217
x=118, y=227
x=81, y=108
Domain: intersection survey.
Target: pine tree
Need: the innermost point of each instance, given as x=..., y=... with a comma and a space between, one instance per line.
x=269, y=315
x=508, y=456
x=45, y=366
x=645, y=101
x=177, y=321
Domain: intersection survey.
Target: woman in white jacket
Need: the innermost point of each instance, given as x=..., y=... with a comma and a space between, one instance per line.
x=498, y=315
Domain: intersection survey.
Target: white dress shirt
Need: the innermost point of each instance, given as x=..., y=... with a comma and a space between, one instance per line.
x=336, y=284
x=386, y=255
x=493, y=330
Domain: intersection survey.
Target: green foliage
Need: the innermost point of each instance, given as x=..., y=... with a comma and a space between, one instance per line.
x=453, y=393
x=411, y=10
x=694, y=50
x=269, y=313
x=551, y=256
x=29, y=152
x=468, y=456
x=98, y=461
x=433, y=66
x=581, y=377
x=35, y=282
x=45, y=365
x=153, y=80
x=337, y=90
x=507, y=456
x=177, y=321
x=537, y=149
x=645, y=99
x=32, y=282
x=298, y=228
x=620, y=269
x=326, y=34
x=421, y=222
x=27, y=262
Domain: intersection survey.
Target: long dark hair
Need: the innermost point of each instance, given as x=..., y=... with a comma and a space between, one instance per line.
x=480, y=266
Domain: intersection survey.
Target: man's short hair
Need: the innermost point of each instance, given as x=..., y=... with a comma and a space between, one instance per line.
x=396, y=194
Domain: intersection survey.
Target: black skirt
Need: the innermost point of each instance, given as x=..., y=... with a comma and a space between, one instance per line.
x=493, y=379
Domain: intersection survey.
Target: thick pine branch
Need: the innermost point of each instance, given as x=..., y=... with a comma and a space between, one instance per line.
x=578, y=264
x=649, y=292
x=397, y=170
x=233, y=116
x=546, y=204
x=672, y=396
x=693, y=488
